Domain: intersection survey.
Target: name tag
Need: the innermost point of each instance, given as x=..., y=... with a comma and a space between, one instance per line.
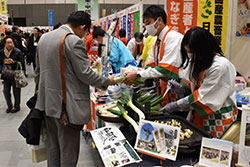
x=35, y=43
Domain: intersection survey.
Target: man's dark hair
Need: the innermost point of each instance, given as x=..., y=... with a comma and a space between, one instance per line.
x=8, y=33
x=203, y=46
x=79, y=18
x=36, y=28
x=14, y=28
x=98, y=31
x=2, y=34
x=8, y=36
x=154, y=12
x=139, y=35
x=57, y=26
x=122, y=33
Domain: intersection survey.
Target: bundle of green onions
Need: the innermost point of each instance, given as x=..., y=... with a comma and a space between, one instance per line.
x=124, y=114
x=138, y=81
x=127, y=99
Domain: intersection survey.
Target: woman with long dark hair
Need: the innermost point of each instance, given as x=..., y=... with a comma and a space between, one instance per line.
x=211, y=76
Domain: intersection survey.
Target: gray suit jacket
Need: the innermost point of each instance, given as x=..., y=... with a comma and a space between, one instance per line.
x=78, y=77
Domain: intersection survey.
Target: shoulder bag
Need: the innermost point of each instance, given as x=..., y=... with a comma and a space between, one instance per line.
x=64, y=120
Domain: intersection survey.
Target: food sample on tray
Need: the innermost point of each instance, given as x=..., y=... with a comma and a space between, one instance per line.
x=183, y=133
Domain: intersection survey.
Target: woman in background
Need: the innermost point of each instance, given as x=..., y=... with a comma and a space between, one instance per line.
x=119, y=55
x=10, y=56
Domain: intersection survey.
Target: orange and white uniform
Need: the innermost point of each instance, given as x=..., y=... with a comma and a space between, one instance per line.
x=165, y=64
x=213, y=96
x=132, y=47
x=92, y=48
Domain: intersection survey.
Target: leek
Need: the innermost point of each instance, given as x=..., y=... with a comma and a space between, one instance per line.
x=138, y=81
x=123, y=112
x=128, y=101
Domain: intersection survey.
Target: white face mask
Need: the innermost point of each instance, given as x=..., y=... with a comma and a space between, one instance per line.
x=151, y=29
x=190, y=55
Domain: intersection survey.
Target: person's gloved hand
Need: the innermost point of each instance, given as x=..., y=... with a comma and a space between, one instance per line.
x=169, y=108
x=176, y=87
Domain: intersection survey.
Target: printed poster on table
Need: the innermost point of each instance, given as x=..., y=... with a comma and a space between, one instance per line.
x=114, y=149
x=244, y=147
x=216, y=153
x=182, y=14
x=158, y=140
x=213, y=16
x=243, y=18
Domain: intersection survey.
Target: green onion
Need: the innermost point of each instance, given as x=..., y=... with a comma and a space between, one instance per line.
x=128, y=101
x=157, y=101
x=128, y=118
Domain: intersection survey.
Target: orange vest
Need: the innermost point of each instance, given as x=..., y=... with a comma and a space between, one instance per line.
x=164, y=83
x=135, y=51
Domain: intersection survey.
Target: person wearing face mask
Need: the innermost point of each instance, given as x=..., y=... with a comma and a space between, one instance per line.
x=135, y=45
x=212, y=79
x=119, y=53
x=165, y=57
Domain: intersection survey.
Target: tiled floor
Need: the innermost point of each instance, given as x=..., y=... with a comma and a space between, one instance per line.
x=13, y=150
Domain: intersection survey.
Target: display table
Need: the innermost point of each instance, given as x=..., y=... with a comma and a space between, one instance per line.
x=95, y=121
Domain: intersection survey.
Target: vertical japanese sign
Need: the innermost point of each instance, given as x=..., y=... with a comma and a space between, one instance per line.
x=101, y=24
x=136, y=22
x=243, y=19
x=129, y=27
x=89, y=6
x=132, y=26
x=51, y=24
x=118, y=28
x=3, y=11
x=109, y=23
x=213, y=16
x=104, y=25
x=182, y=14
x=124, y=22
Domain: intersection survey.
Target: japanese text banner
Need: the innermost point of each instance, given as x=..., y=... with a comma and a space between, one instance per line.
x=3, y=10
x=182, y=14
x=213, y=16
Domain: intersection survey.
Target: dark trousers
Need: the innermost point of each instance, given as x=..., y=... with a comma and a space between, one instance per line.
x=63, y=144
x=34, y=65
x=7, y=84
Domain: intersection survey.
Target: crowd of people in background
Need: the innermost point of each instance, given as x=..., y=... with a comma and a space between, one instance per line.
x=17, y=47
x=165, y=55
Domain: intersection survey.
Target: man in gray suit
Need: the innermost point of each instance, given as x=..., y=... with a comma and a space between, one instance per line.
x=64, y=142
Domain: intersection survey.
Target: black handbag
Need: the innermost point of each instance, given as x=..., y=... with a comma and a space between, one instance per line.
x=7, y=73
x=64, y=120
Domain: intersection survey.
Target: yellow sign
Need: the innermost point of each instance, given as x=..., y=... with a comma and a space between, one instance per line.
x=3, y=10
x=213, y=16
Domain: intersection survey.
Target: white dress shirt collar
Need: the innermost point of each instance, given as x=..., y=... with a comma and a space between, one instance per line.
x=69, y=28
x=163, y=32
